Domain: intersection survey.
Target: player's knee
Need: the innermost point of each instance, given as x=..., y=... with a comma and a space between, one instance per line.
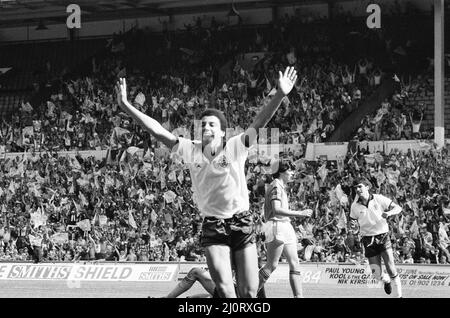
x=247, y=292
x=195, y=272
x=391, y=270
x=378, y=277
x=294, y=266
x=225, y=290
x=376, y=272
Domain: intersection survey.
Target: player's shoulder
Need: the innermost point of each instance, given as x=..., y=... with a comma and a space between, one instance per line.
x=271, y=188
x=189, y=142
x=236, y=139
x=275, y=185
x=354, y=205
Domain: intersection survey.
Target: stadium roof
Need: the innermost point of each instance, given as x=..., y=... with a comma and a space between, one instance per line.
x=22, y=12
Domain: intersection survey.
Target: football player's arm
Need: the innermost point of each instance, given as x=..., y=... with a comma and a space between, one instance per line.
x=353, y=221
x=392, y=208
x=276, y=206
x=148, y=123
x=286, y=82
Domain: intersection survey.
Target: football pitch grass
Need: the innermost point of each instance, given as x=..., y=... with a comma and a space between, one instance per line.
x=90, y=289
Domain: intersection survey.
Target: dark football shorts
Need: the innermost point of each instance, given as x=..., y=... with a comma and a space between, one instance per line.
x=374, y=245
x=236, y=232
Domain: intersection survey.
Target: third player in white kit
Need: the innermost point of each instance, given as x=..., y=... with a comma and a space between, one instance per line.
x=371, y=211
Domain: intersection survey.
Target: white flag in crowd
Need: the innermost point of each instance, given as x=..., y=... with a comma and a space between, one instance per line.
x=153, y=216
x=169, y=196
x=35, y=240
x=38, y=218
x=342, y=222
x=131, y=220
x=140, y=99
x=60, y=238
x=85, y=225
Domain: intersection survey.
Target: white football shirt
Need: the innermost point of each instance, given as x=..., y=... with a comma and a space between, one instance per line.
x=369, y=217
x=220, y=187
x=275, y=191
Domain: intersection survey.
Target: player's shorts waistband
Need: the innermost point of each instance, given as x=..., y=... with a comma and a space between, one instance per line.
x=235, y=216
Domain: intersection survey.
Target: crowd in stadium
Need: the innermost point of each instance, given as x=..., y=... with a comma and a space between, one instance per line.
x=144, y=207
x=334, y=80
x=138, y=206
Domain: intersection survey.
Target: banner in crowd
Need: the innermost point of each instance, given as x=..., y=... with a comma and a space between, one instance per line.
x=132, y=272
x=332, y=151
x=372, y=146
x=404, y=145
x=327, y=151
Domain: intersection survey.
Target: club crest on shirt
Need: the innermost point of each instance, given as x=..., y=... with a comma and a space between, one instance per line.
x=223, y=161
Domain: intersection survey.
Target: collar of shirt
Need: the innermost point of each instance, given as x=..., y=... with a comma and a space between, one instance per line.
x=216, y=153
x=370, y=198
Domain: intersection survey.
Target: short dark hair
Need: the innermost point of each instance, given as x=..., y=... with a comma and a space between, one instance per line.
x=362, y=180
x=279, y=167
x=216, y=113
